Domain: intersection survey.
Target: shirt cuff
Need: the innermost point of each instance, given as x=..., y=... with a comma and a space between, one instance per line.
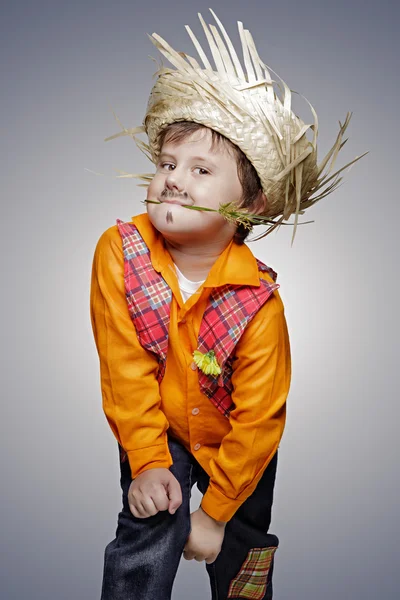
x=218, y=506
x=152, y=457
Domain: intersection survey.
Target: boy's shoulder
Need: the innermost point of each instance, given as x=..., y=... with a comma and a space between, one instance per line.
x=109, y=240
x=109, y=244
x=112, y=234
x=265, y=271
x=268, y=274
x=112, y=240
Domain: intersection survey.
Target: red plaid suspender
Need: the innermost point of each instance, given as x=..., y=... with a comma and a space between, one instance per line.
x=230, y=309
x=147, y=294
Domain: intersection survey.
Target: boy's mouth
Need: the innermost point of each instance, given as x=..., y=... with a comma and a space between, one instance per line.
x=172, y=201
x=170, y=198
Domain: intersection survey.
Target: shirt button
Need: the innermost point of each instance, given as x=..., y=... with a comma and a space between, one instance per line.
x=195, y=411
x=193, y=366
x=196, y=446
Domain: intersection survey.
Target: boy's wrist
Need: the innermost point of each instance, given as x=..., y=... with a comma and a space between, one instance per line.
x=219, y=523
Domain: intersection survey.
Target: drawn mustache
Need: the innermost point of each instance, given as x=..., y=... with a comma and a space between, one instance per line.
x=170, y=195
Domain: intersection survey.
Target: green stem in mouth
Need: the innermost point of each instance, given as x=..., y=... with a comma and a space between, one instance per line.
x=204, y=208
x=230, y=212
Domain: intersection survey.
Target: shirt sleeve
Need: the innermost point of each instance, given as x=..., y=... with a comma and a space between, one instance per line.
x=261, y=381
x=128, y=372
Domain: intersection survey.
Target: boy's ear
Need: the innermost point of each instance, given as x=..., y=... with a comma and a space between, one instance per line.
x=260, y=203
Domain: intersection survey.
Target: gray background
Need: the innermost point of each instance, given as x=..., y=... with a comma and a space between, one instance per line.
x=337, y=497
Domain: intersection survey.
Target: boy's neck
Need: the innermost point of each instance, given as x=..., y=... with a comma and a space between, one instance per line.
x=194, y=262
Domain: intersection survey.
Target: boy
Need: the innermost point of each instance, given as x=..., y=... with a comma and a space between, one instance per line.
x=190, y=328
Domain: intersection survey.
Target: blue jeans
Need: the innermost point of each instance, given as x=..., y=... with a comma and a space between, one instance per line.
x=142, y=561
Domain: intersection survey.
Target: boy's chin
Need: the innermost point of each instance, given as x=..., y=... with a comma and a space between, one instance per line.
x=183, y=232
x=179, y=233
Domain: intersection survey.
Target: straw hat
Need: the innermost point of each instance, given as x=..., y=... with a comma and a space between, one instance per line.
x=250, y=109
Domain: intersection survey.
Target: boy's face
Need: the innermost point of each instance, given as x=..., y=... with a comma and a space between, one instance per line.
x=190, y=172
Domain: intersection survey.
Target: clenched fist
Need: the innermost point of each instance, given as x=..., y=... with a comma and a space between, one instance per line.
x=205, y=539
x=152, y=491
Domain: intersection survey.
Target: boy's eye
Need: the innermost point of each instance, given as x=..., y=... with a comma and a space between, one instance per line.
x=166, y=165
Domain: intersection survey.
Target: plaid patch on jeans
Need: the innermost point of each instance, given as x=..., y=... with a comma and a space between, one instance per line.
x=251, y=581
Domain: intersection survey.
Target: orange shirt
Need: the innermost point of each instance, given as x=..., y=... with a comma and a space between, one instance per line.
x=235, y=451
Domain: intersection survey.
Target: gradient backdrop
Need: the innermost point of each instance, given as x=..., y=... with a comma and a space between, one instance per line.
x=337, y=492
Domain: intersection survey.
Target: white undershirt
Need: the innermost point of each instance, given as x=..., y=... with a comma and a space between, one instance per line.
x=187, y=287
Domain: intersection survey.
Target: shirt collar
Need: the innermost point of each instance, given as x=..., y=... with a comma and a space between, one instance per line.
x=236, y=265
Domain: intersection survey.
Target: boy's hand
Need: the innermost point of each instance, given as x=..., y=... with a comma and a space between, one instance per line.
x=205, y=539
x=152, y=491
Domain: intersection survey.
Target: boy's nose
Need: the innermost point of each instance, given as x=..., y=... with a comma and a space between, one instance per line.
x=174, y=182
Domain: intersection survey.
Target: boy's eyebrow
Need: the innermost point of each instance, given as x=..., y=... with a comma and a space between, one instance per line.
x=165, y=155
x=200, y=158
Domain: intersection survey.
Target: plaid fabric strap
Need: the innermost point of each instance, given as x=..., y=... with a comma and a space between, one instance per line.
x=229, y=310
x=251, y=581
x=147, y=294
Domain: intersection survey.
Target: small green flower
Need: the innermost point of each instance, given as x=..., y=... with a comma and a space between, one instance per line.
x=207, y=362
x=232, y=214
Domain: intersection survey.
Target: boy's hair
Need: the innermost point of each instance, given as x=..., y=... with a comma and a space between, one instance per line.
x=251, y=185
